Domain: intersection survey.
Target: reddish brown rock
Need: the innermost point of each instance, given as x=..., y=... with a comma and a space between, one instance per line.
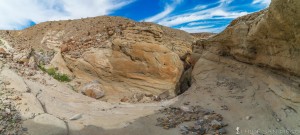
x=64, y=48
x=2, y=51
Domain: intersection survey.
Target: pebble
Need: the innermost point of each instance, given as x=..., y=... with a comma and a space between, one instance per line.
x=224, y=107
x=200, y=122
x=222, y=131
x=24, y=129
x=185, y=108
x=216, y=124
x=76, y=117
x=6, y=83
x=184, y=129
x=248, y=117
x=186, y=103
x=278, y=120
x=7, y=110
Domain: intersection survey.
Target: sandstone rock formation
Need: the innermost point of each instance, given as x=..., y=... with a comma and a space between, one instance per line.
x=268, y=38
x=128, y=57
x=203, y=35
x=230, y=77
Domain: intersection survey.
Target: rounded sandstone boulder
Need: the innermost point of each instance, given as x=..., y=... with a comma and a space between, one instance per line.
x=93, y=89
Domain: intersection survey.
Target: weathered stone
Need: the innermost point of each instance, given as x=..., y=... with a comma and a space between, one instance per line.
x=266, y=38
x=216, y=124
x=248, y=117
x=76, y=117
x=2, y=51
x=30, y=106
x=46, y=124
x=22, y=56
x=93, y=89
x=64, y=48
x=110, y=33
x=186, y=108
x=31, y=63
x=16, y=81
x=59, y=63
x=222, y=131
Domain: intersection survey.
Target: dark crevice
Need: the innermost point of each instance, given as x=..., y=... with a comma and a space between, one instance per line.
x=42, y=104
x=185, y=81
x=67, y=126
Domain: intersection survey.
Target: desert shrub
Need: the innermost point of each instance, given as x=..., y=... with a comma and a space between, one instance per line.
x=53, y=72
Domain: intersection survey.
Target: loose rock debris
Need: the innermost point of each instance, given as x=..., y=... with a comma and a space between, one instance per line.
x=203, y=121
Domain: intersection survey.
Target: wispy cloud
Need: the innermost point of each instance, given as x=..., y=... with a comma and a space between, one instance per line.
x=167, y=10
x=188, y=15
x=216, y=10
x=207, y=28
x=262, y=2
x=202, y=15
x=18, y=13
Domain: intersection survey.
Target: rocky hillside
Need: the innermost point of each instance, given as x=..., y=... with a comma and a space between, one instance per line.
x=123, y=56
x=203, y=35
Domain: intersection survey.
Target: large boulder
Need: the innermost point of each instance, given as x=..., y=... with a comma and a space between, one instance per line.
x=267, y=38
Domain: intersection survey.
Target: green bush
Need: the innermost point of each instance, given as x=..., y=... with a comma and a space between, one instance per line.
x=53, y=72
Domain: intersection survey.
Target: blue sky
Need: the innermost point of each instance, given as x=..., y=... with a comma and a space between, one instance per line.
x=188, y=15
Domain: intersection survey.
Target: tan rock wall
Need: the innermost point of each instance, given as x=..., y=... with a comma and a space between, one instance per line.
x=269, y=38
x=125, y=56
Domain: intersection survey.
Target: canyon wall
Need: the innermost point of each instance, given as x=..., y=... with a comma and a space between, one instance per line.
x=269, y=38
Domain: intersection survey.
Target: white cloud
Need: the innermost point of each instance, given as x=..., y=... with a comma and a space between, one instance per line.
x=208, y=28
x=215, y=21
x=200, y=7
x=16, y=13
x=262, y=2
x=169, y=8
x=198, y=23
x=217, y=10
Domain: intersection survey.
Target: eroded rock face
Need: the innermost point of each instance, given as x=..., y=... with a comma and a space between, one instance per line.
x=125, y=56
x=144, y=66
x=268, y=38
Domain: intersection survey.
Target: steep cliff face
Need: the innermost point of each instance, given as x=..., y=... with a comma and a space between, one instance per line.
x=267, y=38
